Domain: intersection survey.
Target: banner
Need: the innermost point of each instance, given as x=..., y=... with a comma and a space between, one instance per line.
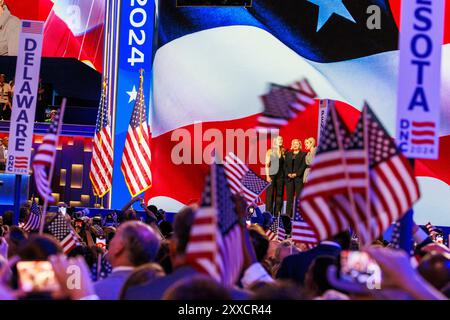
x=134, y=52
x=323, y=111
x=25, y=96
x=419, y=89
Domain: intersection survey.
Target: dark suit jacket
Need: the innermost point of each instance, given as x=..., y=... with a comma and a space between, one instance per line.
x=155, y=289
x=109, y=288
x=297, y=166
x=294, y=267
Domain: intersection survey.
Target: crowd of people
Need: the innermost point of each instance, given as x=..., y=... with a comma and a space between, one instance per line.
x=44, y=100
x=141, y=255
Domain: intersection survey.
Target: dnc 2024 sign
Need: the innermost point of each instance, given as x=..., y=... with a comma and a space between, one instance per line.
x=419, y=89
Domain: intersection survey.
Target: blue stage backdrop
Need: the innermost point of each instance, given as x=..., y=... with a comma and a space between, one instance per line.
x=129, y=49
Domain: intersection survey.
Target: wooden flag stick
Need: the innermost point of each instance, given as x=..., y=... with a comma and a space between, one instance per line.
x=367, y=167
x=344, y=161
x=52, y=166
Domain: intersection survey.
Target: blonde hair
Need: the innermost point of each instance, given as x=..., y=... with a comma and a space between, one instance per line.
x=312, y=140
x=298, y=140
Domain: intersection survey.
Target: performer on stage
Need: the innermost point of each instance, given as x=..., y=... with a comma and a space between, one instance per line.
x=295, y=166
x=310, y=146
x=275, y=175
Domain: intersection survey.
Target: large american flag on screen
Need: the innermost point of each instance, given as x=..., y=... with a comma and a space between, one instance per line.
x=371, y=168
x=60, y=228
x=137, y=157
x=43, y=159
x=215, y=242
x=282, y=104
x=34, y=218
x=102, y=153
x=242, y=180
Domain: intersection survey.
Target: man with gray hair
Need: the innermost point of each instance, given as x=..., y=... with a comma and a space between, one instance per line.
x=134, y=244
x=9, y=31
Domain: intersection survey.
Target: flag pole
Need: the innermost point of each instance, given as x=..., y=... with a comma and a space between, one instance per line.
x=367, y=164
x=52, y=166
x=333, y=115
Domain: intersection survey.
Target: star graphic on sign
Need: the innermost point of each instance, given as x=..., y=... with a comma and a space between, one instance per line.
x=329, y=7
x=132, y=94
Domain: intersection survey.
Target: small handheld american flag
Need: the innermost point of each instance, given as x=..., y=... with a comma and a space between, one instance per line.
x=276, y=231
x=60, y=228
x=34, y=218
x=302, y=231
x=366, y=184
x=242, y=180
x=282, y=104
x=215, y=241
x=44, y=159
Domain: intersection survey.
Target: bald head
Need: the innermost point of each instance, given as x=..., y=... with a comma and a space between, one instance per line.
x=135, y=242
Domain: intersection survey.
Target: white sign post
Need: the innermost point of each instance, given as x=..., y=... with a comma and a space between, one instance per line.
x=24, y=105
x=419, y=89
x=323, y=111
x=25, y=96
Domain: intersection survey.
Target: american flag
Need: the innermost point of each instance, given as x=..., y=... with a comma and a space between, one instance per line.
x=45, y=156
x=366, y=165
x=34, y=218
x=136, y=158
x=401, y=237
x=429, y=227
x=242, y=180
x=283, y=103
x=276, y=231
x=302, y=231
x=215, y=242
x=102, y=153
x=60, y=228
x=34, y=27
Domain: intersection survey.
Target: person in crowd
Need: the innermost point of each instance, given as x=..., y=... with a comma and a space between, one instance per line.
x=8, y=218
x=260, y=244
x=9, y=31
x=295, y=266
x=39, y=247
x=316, y=281
x=435, y=268
x=283, y=249
x=310, y=146
x=5, y=98
x=274, y=168
x=280, y=290
x=142, y=275
x=400, y=279
x=197, y=288
x=295, y=166
x=181, y=269
x=134, y=244
x=3, y=154
x=15, y=237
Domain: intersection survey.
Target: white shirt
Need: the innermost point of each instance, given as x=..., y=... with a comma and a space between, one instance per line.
x=4, y=93
x=254, y=273
x=122, y=268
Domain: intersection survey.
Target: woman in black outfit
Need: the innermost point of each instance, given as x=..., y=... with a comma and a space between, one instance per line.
x=295, y=166
x=275, y=175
